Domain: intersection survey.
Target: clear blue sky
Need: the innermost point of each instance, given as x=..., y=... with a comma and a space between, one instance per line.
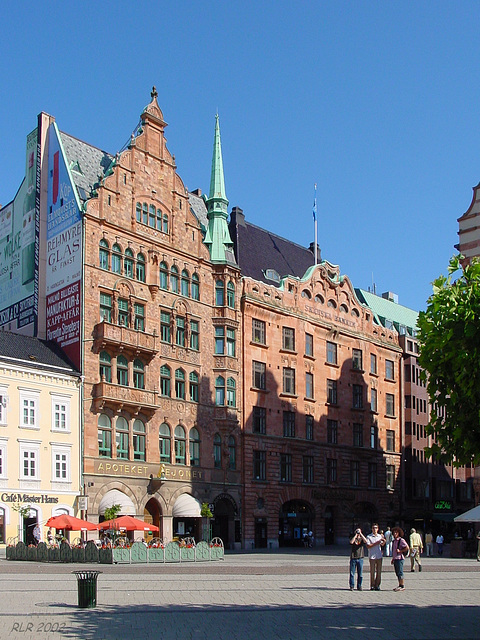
x=377, y=102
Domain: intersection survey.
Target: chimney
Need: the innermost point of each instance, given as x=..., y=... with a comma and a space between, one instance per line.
x=237, y=217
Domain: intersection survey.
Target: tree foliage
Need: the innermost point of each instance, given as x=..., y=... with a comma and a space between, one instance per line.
x=112, y=512
x=449, y=337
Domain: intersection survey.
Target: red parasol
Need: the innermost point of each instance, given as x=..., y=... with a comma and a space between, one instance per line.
x=70, y=523
x=127, y=523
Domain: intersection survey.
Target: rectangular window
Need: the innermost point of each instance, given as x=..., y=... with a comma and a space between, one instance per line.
x=390, y=404
x=29, y=463
x=3, y=460
x=331, y=353
x=29, y=411
x=390, y=440
x=285, y=467
x=289, y=381
x=231, y=342
x=259, y=420
x=331, y=470
x=373, y=400
x=357, y=434
x=61, y=466
x=3, y=407
x=180, y=331
x=288, y=424
x=309, y=385
x=372, y=475
x=258, y=331
x=309, y=427
x=104, y=443
x=373, y=363
x=219, y=340
x=308, y=477
x=288, y=342
x=259, y=465
x=194, y=335
x=105, y=307
x=165, y=334
x=123, y=312
x=122, y=444
x=357, y=396
x=355, y=473
x=373, y=436
x=309, y=345
x=357, y=362
x=332, y=431
x=389, y=370
x=139, y=317
x=332, y=391
x=60, y=414
x=258, y=375
x=390, y=471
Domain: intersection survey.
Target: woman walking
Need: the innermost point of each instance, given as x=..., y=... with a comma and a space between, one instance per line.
x=399, y=550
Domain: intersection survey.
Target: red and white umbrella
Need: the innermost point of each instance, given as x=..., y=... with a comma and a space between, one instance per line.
x=127, y=523
x=69, y=523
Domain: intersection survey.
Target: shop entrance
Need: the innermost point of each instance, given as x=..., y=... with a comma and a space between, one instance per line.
x=329, y=526
x=152, y=514
x=260, y=533
x=223, y=523
x=28, y=526
x=295, y=522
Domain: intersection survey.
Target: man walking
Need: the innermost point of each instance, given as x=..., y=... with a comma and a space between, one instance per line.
x=357, y=543
x=388, y=542
x=429, y=543
x=375, y=542
x=416, y=548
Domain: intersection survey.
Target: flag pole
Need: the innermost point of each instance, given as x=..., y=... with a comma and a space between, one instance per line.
x=315, y=221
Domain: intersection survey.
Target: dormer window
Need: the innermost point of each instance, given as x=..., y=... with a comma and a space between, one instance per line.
x=271, y=274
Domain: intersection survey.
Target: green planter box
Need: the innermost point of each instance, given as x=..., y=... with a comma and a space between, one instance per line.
x=187, y=554
x=156, y=555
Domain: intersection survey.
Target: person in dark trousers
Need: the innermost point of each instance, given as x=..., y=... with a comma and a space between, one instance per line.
x=357, y=543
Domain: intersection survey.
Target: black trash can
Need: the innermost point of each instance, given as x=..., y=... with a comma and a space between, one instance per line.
x=87, y=588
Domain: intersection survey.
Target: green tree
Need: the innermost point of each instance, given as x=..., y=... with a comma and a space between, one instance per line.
x=449, y=337
x=112, y=512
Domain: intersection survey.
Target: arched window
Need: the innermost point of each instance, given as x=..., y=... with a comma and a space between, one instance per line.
x=138, y=210
x=165, y=375
x=179, y=445
x=174, y=279
x=165, y=223
x=128, y=263
x=195, y=287
x=138, y=440
x=306, y=294
x=140, y=271
x=164, y=442
x=220, y=391
x=232, y=453
x=105, y=366
x=122, y=371
x=319, y=299
x=231, y=392
x=180, y=384
x=185, y=284
x=152, y=216
x=138, y=374
x=104, y=436
x=194, y=438
x=217, y=451
x=163, y=275
x=121, y=437
x=231, y=295
x=103, y=254
x=193, y=380
x=219, y=293
x=116, y=259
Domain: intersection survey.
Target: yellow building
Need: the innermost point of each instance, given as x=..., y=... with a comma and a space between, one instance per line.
x=40, y=472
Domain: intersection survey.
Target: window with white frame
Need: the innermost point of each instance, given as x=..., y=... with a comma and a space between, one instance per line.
x=29, y=460
x=60, y=464
x=60, y=413
x=29, y=409
x=3, y=458
x=3, y=405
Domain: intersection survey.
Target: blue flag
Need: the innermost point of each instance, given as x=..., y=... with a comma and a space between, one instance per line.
x=315, y=205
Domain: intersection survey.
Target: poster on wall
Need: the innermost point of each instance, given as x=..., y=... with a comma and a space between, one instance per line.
x=64, y=253
x=19, y=248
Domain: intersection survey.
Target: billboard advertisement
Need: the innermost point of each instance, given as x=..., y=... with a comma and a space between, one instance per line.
x=64, y=253
x=19, y=249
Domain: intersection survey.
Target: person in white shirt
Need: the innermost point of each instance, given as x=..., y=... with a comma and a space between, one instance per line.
x=375, y=542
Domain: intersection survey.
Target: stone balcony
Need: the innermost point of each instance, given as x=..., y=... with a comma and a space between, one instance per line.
x=124, y=339
x=118, y=397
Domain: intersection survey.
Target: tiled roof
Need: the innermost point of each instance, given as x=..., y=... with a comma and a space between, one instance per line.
x=258, y=250
x=36, y=353
x=86, y=163
x=388, y=312
x=197, y=205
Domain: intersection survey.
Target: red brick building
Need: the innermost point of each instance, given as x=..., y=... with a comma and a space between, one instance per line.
x=322, y=447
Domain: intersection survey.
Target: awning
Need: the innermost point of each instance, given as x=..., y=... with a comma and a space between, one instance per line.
x=114, y=496
x=186, y=506
x=470, y=516
x=444, y=517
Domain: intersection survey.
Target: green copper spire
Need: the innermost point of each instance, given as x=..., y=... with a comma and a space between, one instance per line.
x=217, y=237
